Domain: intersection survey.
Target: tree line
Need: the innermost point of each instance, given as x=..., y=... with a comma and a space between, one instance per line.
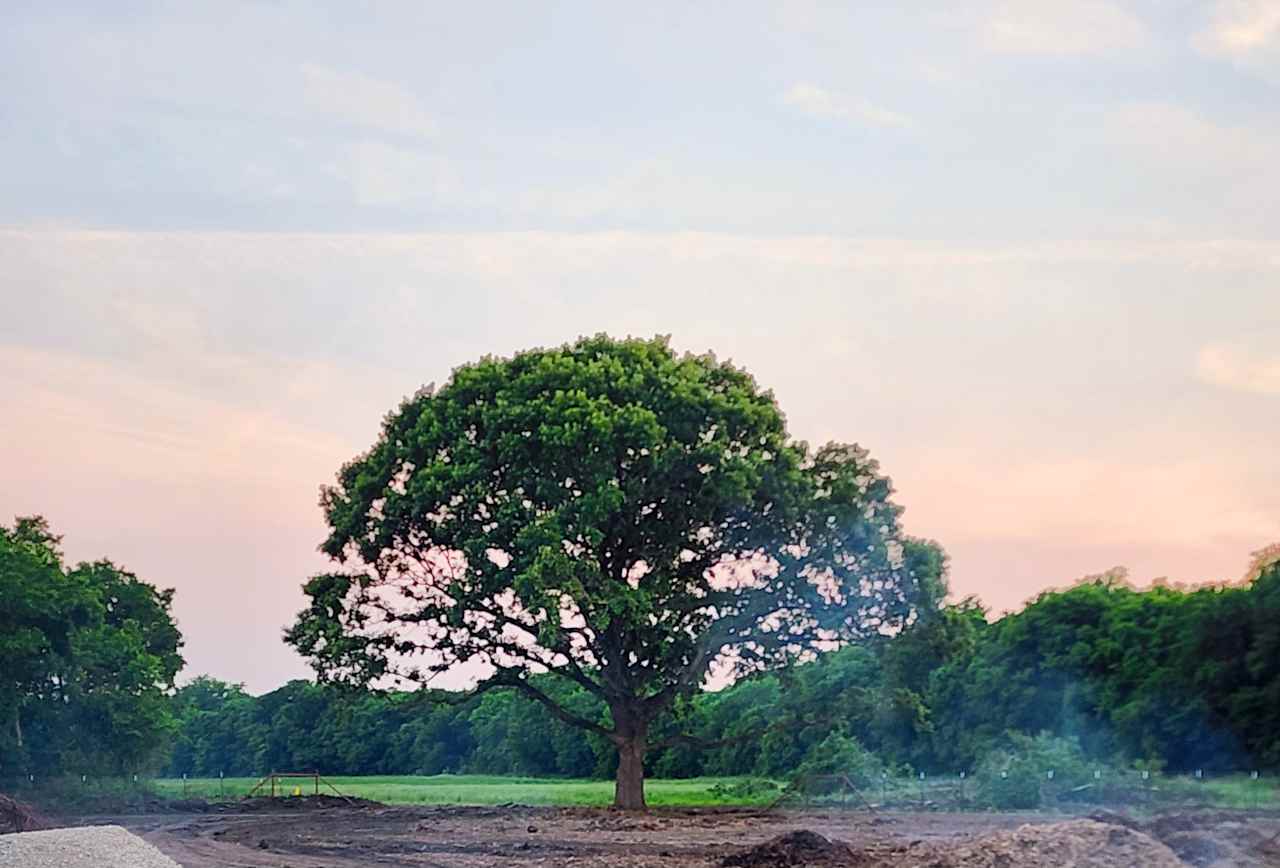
x=1166, y=677
x=1170, y=678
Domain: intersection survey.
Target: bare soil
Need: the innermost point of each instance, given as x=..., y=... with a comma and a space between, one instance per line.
x=16, y=816
x=332, y=834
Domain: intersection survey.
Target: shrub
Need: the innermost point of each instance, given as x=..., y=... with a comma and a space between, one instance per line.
x=748, y=789
x=839, y=754
x=1017, y=776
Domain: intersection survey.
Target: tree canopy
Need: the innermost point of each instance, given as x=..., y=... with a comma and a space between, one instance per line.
x=87, y=656
x=609, y=513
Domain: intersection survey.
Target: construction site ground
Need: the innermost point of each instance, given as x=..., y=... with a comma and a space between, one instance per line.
x=329, y=833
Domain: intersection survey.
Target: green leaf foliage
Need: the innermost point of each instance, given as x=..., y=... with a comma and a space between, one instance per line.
x=87, y=656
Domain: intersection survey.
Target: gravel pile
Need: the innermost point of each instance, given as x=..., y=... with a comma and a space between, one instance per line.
x=83, y=847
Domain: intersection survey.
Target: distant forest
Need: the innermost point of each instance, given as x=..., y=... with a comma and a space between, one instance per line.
x=1101, y=672
x=1168, y=678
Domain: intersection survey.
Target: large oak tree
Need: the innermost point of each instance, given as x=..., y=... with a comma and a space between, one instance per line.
x=610, y=512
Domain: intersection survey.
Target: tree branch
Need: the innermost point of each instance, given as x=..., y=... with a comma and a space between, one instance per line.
x=516, y=683
x=575, y=671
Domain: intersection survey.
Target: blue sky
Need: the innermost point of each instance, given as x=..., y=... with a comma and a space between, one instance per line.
x=1027, y=253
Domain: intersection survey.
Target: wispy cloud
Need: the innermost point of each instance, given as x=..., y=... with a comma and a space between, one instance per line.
x=1076, y=27
x=382, y=174
x=1167, y=132
x=822, y=103
x=1245, y=31
x=1198, y=160
x=364, y=101
x=1244, y=26
x=1239, y=369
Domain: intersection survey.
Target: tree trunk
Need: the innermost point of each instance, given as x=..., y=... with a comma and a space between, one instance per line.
x=17, y=724
x=628, y=791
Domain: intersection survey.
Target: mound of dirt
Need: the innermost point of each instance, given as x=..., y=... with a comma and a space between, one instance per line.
x=1114, y=819
x=1198, y=850
x=18, y=817
x=1082, y=843
x=177, y=806
x=1206, y=839
x=304, y=803
x=801, y=847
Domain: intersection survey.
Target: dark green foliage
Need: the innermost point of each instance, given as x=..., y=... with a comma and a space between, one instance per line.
x=87, y=658
x=748, y=789
x=217, y=729
x=513, y=734
x=1185, y=677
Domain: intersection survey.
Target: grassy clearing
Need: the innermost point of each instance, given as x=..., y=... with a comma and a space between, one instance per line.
x=1234, y=791
x=1160, y=792
x=492, y=790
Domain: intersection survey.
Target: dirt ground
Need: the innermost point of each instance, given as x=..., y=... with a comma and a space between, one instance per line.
x=329, y=834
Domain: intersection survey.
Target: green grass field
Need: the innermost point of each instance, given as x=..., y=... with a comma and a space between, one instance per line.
x=488, y=790
x=1235, y=791
x=1232, y=791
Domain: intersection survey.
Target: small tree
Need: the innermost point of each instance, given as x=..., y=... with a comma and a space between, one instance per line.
x=609, y=512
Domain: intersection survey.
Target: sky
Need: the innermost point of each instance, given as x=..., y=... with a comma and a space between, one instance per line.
x=1027, y=253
